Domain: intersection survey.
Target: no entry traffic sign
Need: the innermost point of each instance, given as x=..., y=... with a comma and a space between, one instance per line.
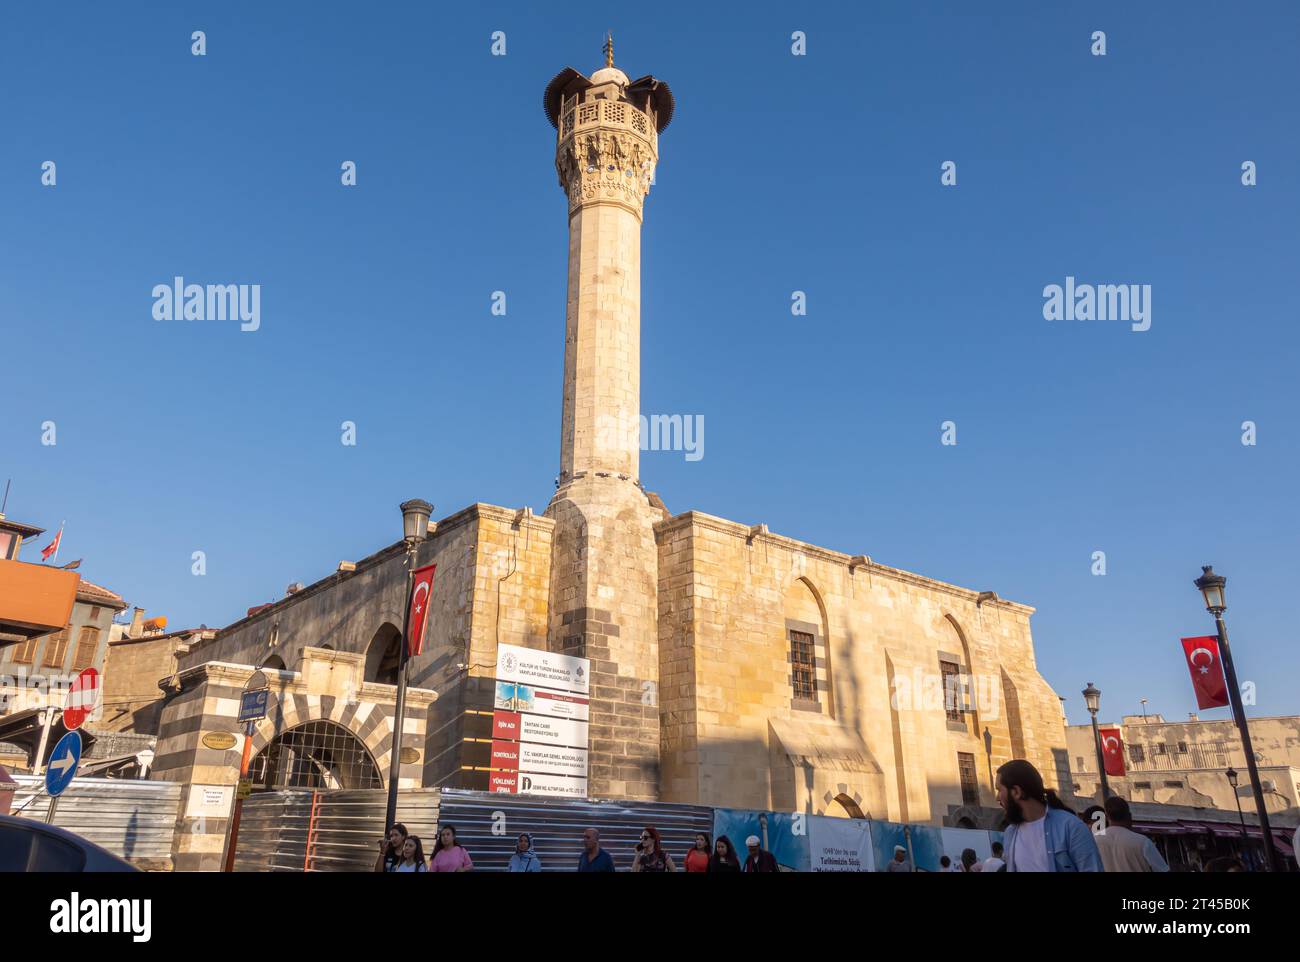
x=83, y=699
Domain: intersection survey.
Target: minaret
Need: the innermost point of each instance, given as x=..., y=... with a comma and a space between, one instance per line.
x=604, y=566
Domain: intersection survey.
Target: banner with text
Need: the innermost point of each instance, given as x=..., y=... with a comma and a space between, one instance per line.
x=540, y=723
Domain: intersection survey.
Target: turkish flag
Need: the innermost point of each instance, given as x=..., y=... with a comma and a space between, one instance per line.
x=1202, y=656
x=421, y=586
x=1112, y=751
x=53, y=547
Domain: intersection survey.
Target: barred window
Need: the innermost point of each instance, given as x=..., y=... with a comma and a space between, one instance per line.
x=970, y=786
x=1137, y=754
x=56, y=649
x=803, y=665
x=317, y=755
x=953, y=700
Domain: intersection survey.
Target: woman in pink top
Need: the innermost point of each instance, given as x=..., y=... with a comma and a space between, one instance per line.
x=447, y=855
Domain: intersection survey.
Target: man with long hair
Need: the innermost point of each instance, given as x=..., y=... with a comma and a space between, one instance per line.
x=1042, y=835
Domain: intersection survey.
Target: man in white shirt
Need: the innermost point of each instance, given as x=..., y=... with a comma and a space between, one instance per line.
x=995, y=861
x=1122, y=849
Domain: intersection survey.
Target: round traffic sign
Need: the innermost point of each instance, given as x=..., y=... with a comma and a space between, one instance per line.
x=83, y=699
x=63, y=764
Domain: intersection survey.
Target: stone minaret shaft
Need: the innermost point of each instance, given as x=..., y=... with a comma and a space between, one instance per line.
x=605, y=158
x=604, y=566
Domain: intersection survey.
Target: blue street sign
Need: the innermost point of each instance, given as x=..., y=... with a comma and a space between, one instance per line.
x=252, y=704
x=63, y=764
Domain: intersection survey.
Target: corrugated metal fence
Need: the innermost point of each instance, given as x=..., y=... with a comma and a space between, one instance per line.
x=342, y=828
x=277, y=828
x=133, y=818
x=557, y=824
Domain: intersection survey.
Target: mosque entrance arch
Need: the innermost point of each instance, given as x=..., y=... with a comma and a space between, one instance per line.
x=317, y=755
x=847, y=807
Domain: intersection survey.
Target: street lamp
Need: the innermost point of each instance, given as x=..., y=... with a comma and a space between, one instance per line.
x=1092, y=698
x=1144, y=710
x=415, y=520
x=1231, y=774
x=1212, y=588
x=415, y=528
x=988, y=753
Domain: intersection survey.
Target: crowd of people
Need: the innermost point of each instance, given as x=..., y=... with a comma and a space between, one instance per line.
x=401, y=851
x=1042, y=835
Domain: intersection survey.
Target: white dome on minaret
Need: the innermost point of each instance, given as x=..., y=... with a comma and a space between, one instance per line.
x=609, y=75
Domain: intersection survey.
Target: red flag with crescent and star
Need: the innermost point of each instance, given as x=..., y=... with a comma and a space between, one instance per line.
x=421, y=586
x=1202, y=656
x=1112, y=751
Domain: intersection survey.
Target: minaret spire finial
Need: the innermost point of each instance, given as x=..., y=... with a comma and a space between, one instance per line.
x=609, y=48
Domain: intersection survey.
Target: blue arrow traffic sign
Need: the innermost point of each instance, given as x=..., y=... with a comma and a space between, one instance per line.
x=63, y=764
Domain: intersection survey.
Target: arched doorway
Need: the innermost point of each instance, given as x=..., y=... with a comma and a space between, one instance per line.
x=315, y=755
x=383, y=655
x=848, y=808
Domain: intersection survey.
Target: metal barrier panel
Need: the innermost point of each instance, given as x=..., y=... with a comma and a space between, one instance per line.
x=274, y=828
x=557, y=824
x=133, y=818
x=346, y=827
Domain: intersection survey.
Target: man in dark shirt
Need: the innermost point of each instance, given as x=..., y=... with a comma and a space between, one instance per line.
x=593, y=857
x=759, y=860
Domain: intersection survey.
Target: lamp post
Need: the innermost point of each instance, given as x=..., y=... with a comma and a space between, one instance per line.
x=1092, y=698
x=1232, y=780
x=1144, y=710
x=1212, y=588
x=415, y=528
x=988, y=754
x=1231, y=774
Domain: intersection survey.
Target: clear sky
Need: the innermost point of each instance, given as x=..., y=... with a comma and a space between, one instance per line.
x=818, y=173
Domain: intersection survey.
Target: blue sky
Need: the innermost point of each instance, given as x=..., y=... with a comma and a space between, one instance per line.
x=779, y=173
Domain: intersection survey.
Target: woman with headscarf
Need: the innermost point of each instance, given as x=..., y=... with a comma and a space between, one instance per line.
x=524, y=859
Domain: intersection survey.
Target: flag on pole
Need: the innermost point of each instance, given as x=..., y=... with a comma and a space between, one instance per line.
x=1112, y=751
x=1203, y=662
x=421, y=585
x=53, y=547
